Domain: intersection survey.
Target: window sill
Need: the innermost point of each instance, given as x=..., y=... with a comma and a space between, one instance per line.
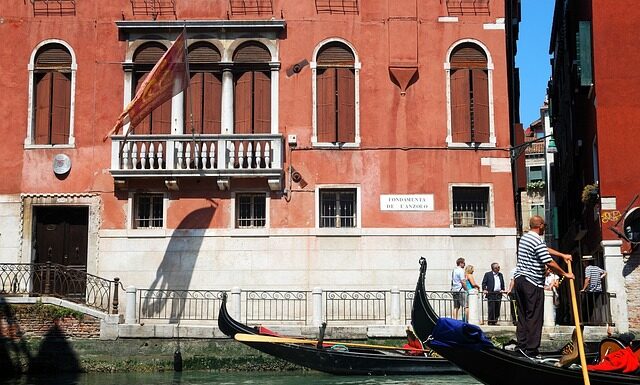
x=470, y=146
x=335, y=146
x=48, y=146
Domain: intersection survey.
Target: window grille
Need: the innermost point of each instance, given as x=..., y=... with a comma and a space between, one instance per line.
x=250, y=211
x=153, y=8
x=468, y=7
x=338, y=208
x=149, y=211
x=54, y=7
x=251, y=7
x=470, y=206
x=340, y=7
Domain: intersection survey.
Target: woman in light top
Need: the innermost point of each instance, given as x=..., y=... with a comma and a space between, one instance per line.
x=470, y=285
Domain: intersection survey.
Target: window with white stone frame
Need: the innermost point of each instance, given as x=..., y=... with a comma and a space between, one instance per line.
x=250, y=210
x=338, y=207
x=52, y=80
x=148, y=211
x=470, y=206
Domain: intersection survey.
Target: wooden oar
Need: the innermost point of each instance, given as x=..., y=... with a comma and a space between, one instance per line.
x=576, y=318
x=287, y=340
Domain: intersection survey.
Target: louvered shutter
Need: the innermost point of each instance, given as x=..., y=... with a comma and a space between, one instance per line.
x=252, y=52
x=60, y=108
x=262, y=103
x=43, y=107
x=468, y=56
x=212, y=107
x=480, y=106
x=460, y=106
x=144, y=127
x=346, y=105
x=336, y=54
x=326, y=105
x=193, y=116
x=243, y=105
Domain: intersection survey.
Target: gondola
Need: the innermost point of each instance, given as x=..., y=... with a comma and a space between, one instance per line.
x=342, y=361
x=493, y=365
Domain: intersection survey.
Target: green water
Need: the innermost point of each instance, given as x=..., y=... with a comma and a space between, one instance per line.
x=242, y=378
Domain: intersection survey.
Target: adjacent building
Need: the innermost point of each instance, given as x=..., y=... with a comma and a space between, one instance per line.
x=594, y=113
x=319, y=144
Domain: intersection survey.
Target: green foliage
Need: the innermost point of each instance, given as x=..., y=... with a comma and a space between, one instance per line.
x=536, y=185
x=590, y=193
x=52, y=312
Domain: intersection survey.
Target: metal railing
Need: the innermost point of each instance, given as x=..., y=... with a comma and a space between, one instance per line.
x=272, y=305
x=595, y=309
x=506, y=314
x=50, y=279
x=441, y=302
x=356, y=305
x=174, y=305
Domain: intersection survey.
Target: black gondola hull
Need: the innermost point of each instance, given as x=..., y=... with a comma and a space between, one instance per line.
x=495, y=366
x=355, y=361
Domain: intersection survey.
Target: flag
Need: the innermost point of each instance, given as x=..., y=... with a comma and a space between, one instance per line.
x=168, y=78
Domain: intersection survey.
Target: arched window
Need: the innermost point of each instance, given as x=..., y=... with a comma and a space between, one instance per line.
x=159, y=120
x=469, y=93
x=335, y=94
x=52, y=95
x=252, y=89
x=203, y=103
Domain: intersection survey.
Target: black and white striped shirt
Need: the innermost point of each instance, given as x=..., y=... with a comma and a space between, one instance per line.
x=533, y=256
x=594, y=273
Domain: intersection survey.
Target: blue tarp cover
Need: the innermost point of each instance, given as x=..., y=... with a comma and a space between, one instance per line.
x=449, y=332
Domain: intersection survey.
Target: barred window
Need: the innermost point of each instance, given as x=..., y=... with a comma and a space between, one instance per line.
x=338, y=208
x=149, y=211
x=470, y=206
x=251, y=211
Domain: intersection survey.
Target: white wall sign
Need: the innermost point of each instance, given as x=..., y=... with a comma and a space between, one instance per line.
x=412, y=202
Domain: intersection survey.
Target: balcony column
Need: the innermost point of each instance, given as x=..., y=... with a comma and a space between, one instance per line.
x=395, y=306
x=614, y=264
x=317, y=306
x=275, y=76
x=227, y=101
x=236, y=302
x=130, y=311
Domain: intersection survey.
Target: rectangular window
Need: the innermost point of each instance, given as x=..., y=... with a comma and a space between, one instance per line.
x=534, y=174
x=537, y=209
x=338, y=208
x=251, y=211
x=148, y=211
x=470, y=206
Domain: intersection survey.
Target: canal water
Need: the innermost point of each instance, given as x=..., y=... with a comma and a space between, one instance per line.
x=241, y=378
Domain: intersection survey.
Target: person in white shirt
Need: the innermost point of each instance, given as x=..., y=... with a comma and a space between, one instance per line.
x=493, y=287
x=458, y=287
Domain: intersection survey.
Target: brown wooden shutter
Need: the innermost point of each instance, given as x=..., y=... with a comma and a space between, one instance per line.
x=161, y=116
x=468, y=56
x=262, y=103
x=60, y=108
x=193, y=115
x=144, y=127
x=149, y=54
x=326, y=105
x=212, y=107
x=252, y=52
x=480, y=106
x=335, y=54
x=243, y=105
x=53, y=56
x=460, y=106
x=346, y=105
x=43, y=107
x=203, y=53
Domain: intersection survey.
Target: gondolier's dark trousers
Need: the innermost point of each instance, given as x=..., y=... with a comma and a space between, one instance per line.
x=530, y=308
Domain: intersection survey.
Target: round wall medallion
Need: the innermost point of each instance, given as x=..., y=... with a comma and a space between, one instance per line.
x=61, y=164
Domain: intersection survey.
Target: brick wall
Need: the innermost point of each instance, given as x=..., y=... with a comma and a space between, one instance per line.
x=22, y=321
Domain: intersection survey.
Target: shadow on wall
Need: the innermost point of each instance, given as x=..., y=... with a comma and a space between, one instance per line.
x=55, y=355
x=631, y=264
x=176, y=269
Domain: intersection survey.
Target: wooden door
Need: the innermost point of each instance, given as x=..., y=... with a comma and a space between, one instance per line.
x=61, y=239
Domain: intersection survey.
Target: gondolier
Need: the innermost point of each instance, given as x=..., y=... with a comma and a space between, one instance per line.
x=533, y=259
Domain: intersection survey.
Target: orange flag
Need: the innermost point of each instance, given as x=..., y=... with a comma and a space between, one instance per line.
x=167, y=78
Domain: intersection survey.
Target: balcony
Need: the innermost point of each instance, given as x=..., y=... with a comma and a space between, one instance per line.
x=217, y=156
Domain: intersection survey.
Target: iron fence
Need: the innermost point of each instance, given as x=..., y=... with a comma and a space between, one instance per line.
x=179, y=305
x=595, y=308
x=356, y=306
x=50, y=279
x=440, y=301
x=275, y=305
x=505, y=307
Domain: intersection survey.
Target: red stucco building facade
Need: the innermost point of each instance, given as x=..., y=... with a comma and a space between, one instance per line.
x=320, y=143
